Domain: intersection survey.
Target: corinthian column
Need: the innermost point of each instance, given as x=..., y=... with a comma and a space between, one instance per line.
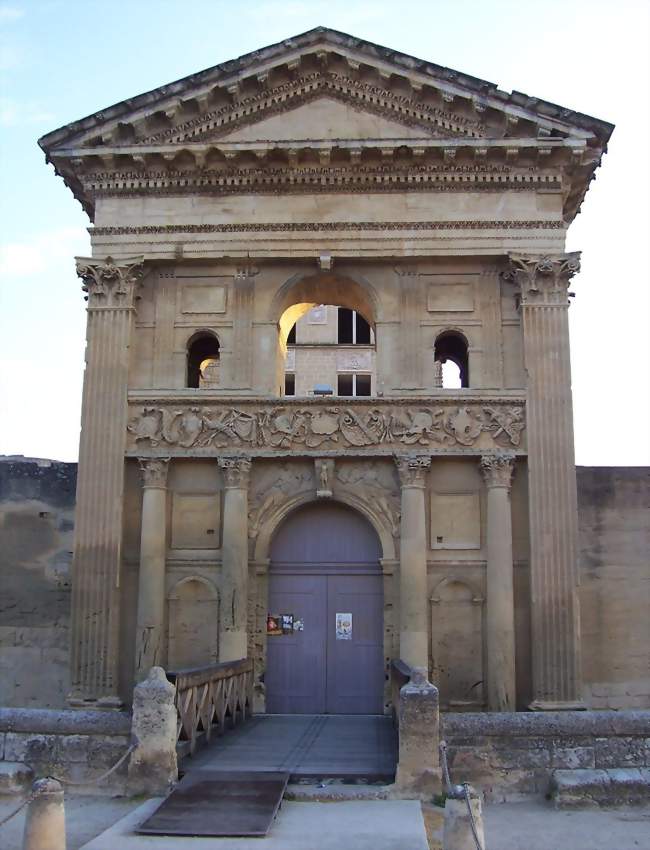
x=555, y=616
x=149, y=641
x=233, y=632
x=414, y=632
x=500, y=614
x=100, y=483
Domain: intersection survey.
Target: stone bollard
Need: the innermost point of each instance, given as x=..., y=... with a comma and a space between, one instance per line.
x=457, y=832
x=45, y=819
x=418, y=769
x=153, y=768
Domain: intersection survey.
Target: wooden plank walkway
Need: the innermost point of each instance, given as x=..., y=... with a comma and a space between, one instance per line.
x=308, y=747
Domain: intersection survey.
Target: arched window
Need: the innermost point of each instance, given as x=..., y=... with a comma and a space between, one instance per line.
x=451, y=352
x=203, y=361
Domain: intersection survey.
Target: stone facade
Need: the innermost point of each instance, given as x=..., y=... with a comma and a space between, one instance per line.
x=328, y=171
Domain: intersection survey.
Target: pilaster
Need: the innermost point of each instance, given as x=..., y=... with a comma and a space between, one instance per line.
x=497, y=470
x=111, y=293
x=414, y=631
x=243, y=291
x=555, y=616
x=233, y=626
x=410, y=312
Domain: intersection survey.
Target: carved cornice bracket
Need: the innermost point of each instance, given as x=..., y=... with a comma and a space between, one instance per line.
x=154, y=472
x=110, y=283
x=236, y=471
x=497, y=469
x=543, y=279
x=412, y=469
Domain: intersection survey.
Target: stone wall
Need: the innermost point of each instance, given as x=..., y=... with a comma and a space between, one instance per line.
x=37, y=499
x=512, y=755
x=76, y=746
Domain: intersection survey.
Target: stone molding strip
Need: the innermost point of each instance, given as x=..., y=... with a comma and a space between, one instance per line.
x=328, y=226
x=523, y=724
x=64, y=722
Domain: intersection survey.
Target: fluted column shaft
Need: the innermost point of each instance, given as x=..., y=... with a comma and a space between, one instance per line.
x=233, y=631
x=150, y=638
x=100, y=481
x=500, y=610
x=555, y=615
x=414, y=631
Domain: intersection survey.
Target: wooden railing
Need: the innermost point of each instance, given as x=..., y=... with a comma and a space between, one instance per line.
x=209, y=700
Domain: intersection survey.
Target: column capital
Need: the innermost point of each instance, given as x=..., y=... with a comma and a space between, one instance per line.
x=154, y=471
x=412, y=468
x=497, y=469
x=542, y=278
x=236, y=472
x=109, y=282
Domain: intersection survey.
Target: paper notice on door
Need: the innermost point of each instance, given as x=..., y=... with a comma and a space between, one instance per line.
x=343, y=626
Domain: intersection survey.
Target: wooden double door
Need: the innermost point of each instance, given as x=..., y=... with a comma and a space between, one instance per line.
x=328, y=585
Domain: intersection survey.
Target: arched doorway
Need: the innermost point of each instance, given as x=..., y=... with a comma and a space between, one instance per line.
x=325, y=573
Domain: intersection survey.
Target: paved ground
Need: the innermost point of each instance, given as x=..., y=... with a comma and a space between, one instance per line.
x=306, y=745
x=532, y=825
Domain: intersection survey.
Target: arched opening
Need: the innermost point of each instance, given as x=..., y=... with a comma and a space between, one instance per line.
x=203, y=364
x=451, y=352
x=193, y=624
x=327, y=336
x=325, y=631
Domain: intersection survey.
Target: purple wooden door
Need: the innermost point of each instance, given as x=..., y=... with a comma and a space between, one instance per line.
x=324, y=563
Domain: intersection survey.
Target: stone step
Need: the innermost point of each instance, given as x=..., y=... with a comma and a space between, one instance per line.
x=613, y=787
x=15, y=777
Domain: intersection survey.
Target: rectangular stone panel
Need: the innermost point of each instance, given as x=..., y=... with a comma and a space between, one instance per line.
x=204, y=298
x=452, y=293
x=455, y=521
x=196, y=521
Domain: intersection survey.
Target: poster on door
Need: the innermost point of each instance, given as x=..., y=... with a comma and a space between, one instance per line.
x=343, y=626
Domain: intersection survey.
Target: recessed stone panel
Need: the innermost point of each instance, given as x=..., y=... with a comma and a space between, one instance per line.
x=455, y=521
x=206, y=298
x=450, y=293
x=196, y=521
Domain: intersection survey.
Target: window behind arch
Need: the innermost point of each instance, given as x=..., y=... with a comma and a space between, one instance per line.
x=203, y=361
x=451, y=352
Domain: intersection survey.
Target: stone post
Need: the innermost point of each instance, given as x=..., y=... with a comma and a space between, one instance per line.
x=153, y=767
x=418, y=767
x=95, y=609
x=457, y=831
x=555, y=615
x=497, y=471
x=45, y=818
x=149, y=637
x=414, y=631
x=233, y=632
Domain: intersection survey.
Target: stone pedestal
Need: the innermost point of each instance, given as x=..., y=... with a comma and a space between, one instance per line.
x=418, y=768
x=414, y=631
x=233, y=632
x=457, y=832
x=500, y=614
x=100, y=484
x=153, y=767
x=555, y=616
x=149, y=639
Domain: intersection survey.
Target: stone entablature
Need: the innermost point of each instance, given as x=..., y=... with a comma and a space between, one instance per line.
x=199, y=427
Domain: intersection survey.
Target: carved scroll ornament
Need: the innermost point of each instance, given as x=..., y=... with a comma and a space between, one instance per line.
x=110, y=283
x=326, y=427
x=543, y=279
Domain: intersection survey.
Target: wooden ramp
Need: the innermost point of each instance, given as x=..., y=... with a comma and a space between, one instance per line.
x=219, y=804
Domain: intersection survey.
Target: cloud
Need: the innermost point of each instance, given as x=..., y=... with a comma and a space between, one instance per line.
x=13, y=114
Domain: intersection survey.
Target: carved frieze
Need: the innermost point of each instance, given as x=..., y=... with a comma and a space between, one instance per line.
x=110, y=283
x=381, y=426
x=270, y=492
x=544, y=280
x=375, y=484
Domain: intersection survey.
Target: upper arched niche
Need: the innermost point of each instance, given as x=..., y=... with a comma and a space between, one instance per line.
x=325, y=532
x=302, y=292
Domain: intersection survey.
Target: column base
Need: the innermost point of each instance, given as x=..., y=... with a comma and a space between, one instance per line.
x=550, y=705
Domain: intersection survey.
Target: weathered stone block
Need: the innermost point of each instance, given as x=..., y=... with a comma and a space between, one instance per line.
x=571, y=758
x=520, y=757
x=15, y=777
x=29, y=747
x=619, y=752
x=72, y=748
x=105, y=750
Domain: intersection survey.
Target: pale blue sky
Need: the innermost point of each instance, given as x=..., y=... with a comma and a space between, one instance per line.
x=61, y=60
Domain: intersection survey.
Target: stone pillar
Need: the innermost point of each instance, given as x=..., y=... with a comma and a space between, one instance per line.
x=555, y=615
x=153, y=766
x=414, y=631
x=418, y=767
x=457, y=830
x=111, y=289
x=243, y=295
x=149, y=636
x=233, y=632
x=497, y=471
x=45, y=819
